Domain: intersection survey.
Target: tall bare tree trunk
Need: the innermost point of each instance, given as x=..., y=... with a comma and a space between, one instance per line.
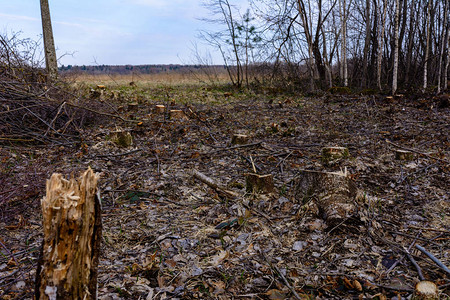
x=427, y=49
x=444, y=38
x=49, y=44
x=342, y=13
x=395, y=71
x=308, y=35
x=380, y=43
x=447, y=60
x=366, y=45
x=409, y=50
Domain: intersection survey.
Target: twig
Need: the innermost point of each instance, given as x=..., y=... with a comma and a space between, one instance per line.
x=236, y=147
x=281, y=275
x=428, y=229
x=413, y=261
x=418, y=152
x=210, y=182
x=121, y=154
x=433, y=258
x=398, y=260
x=253, y=164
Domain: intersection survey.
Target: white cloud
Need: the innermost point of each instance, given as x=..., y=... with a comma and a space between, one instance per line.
x=18, y=17
x=153, y=3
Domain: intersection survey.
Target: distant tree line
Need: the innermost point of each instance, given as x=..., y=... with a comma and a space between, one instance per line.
x=387, y=45
x=131, y=69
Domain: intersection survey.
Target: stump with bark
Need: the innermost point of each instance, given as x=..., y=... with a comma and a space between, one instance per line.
x=426, y=290
x=68, y=265
x=176, y=114
x=404, y=155
x=159, y=109
x=259, y=183
x=334, y=194
x=239, y=139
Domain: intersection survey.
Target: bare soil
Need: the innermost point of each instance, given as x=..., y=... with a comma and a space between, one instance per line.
x=167, y=235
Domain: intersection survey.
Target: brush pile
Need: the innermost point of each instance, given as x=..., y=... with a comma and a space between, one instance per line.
x=32, y=109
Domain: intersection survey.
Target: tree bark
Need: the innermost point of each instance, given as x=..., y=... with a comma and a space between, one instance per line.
x=49, y=44
x=427, y=48
x=396, y=46
x=381, y=43
x=342, y=13
x=443, y=48
x=366, y=45
x=71, y=213
x=334, y=194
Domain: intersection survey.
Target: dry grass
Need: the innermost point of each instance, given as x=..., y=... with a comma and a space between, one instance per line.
x=152, y=80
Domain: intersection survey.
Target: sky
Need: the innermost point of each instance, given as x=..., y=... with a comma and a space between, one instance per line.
x=115, y=32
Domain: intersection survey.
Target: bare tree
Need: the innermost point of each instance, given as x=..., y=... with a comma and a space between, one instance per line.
x=395, y=66
x=343, y=16
x=381, y=43
x=443, y=48
x=49, y=44
x=427, y=48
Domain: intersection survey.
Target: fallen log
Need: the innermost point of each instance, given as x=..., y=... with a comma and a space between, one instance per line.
x=68, y=266
x=334, y=194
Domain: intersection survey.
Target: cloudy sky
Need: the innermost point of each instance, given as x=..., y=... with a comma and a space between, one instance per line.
x=114, y=31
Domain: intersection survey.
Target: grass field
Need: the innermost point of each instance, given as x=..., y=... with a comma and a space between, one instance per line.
x=195, y=77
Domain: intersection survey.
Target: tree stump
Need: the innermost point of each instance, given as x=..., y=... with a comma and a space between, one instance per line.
x=133, y=106
x=259, y=183
x=122, y=138
x=330, y=154
x=239, y=139
x=334, y=194
x=176, y=114
x=425, y=290
x=160, y=109
x=68, y=265
x=404, y=155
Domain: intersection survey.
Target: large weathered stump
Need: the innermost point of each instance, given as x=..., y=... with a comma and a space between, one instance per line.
x=71, y=214
x=334, y=193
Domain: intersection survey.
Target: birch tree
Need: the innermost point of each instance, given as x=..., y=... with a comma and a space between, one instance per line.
x=443, y=49
x=342, y=14
x=381, y=43
x=395, y=67
x=427, y=47
x=49, y=44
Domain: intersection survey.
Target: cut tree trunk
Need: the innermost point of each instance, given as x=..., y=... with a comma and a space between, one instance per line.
x=334, y=153
x=239, y=139
x=404, y=155
x=68, y=265
x=160, y=109
x=334, y=194
x=259, y=183
x=121, y=138
x=426, y=290
x=176, y=114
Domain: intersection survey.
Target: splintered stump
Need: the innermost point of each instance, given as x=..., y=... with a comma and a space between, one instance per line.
x=68, y=266
x=259, y=183
x=334, y=194
x=122, y=138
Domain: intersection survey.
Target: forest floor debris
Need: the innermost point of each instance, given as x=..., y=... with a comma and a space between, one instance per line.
x=169, y=235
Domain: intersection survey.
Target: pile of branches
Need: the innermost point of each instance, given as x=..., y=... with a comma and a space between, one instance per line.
x=32, y=109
